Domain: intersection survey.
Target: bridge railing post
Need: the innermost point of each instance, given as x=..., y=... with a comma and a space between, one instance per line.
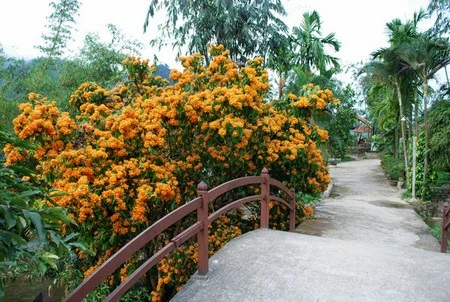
x=292, y=212
x=445, y=227
x=202, y=235
x=265, y=191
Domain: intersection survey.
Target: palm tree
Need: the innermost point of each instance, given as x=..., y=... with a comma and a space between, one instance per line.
x=310, y=46
x=382, y=103
x=400, y=34
x=302, y=57
x=281, y=60
x=391, y=71
x=426, y=55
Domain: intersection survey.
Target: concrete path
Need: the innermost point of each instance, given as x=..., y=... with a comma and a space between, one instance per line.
x=369, y=245
x=365, y=208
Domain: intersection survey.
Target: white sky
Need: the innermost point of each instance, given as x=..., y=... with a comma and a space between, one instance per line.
x=359, y=24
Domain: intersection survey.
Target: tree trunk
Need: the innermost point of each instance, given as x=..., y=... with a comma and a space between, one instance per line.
x=402, y=121
x=396, y=137
x=425, y=129
x=415, y=136
x=416, y=114
x=446, y=76
x=280, y=86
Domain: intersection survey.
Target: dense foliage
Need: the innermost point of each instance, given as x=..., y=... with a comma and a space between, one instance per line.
x=339, y=123
x=310, y=46
x=397, y=84
x=98, y=61
x=137, y=151
x=440, y=134
x=129, y=146
x=29, y=221
x=247, y=28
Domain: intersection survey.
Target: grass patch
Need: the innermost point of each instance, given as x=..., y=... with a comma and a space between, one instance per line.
x=347, y=158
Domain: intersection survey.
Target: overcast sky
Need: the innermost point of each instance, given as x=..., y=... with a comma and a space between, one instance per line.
x=359, y=24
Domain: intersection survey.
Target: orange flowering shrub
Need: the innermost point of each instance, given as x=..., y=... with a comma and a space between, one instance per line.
x=308, y=211
x=132, y=154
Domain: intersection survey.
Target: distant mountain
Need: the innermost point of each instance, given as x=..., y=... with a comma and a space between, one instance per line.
x=163, y=70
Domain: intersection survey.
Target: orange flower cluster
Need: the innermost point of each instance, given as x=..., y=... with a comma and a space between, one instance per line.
x=308, y=211
x=127, y=156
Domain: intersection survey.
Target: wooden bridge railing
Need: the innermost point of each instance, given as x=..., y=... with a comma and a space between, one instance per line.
x=199, y=228
x=445, y=227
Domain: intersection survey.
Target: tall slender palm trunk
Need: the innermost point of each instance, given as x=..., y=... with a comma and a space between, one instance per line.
x=425, y=129
x=415, y=136
x=400, y=104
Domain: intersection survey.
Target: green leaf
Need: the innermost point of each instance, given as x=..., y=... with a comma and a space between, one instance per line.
x=6, y=264
x=29, y=193
x=55, y=238
x=56, y=214
x=82, y=247
x=49, y=259
x=8, y=138
x=10, y=218
x=70, y=237
x=7, y=237
x=36, y=219
x=42, y=266
x=57, y=194
x=21, y=170
x=22, y=221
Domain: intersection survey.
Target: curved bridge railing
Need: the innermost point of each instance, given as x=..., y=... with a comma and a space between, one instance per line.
x=199, y=228
x=445, y=227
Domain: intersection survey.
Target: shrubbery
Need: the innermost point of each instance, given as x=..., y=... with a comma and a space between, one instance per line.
x=134, y=153
x=29, y=239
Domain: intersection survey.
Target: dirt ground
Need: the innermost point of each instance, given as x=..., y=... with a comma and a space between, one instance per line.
x=363, y=207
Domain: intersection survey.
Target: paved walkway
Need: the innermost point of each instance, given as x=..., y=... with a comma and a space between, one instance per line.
x=363, y=207
x=368, y=245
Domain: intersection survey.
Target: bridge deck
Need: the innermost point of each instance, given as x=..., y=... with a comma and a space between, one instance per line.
x=267, y=265
x=372, y=247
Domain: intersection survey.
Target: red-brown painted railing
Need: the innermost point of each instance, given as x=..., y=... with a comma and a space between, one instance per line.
x=200, y=204
x=445, y=227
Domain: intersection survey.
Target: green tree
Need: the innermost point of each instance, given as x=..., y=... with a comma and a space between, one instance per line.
x=310, y=46
x=440, y=134
x=98, y=61
x=308, y=57
x=342, y=119
x=282, y=60
x=441, y=27
x=60, y=26
x=102, y=60
x=246, y=28
x=390, y=69
x=21, y=77
x=391, y=72
x=13, y=73
x=426, y=55
x=401, y=34
x=442, y=10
